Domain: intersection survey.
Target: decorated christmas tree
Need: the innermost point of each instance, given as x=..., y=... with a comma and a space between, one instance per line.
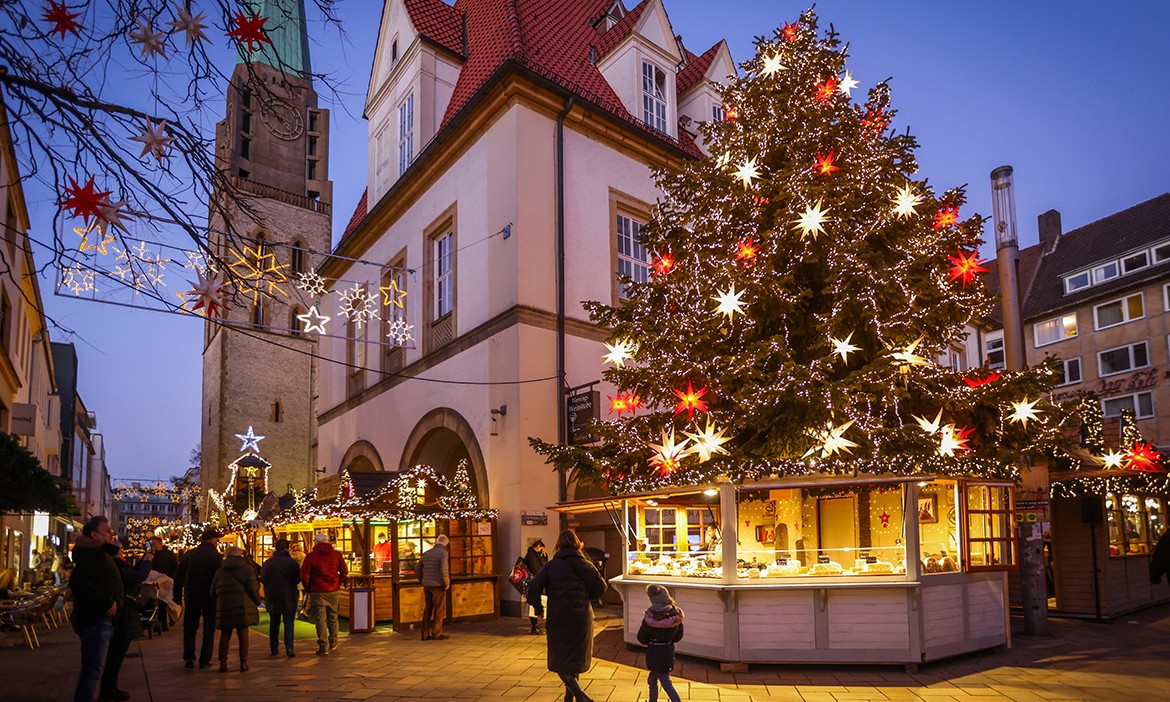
x=803, y=286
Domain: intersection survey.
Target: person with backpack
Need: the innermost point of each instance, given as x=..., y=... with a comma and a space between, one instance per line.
x=237, y=595
x=662, y=628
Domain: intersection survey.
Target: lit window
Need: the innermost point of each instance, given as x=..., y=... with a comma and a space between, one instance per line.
x=1135, y=523
x=718, y=114
x=654, y=96
x=1071, y=371
x=1141, y=404
x=1054, y=330
x=661, y=533
x=988, y=535
x=444, y=274
x=1123, y=359
x=1120, y=311
x=405, y=134
x=633, y=258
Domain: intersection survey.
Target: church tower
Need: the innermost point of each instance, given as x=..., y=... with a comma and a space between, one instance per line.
x=259, y=368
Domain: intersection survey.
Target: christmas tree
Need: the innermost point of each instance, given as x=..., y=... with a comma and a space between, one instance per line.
x=803, y=285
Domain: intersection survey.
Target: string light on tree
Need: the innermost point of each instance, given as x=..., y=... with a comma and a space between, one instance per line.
x=907, y=358
x=948, y=216
x=152, y=42
x=668, y=455
x=847, y=84
x=1112, y=459
x=154, y=140
x=747, y=172
x=831, y=440
x=746, y=251
x=1143, y=457
x=772, y=65
x=953, y=440
x=930, y=426
x=988, y=379
x=824, y=165
x=663, y=265
x=827, y=88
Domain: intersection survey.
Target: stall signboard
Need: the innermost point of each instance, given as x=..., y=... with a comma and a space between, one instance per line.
x=582, y=409
x=314, y=525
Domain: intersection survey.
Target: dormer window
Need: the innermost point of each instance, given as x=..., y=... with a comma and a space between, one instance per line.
x=654, y=96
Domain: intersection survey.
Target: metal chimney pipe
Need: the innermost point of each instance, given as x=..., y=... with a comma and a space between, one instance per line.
x=1007, y=254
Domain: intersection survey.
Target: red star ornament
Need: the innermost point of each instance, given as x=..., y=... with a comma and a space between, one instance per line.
x=618, y=405
x=824, y=165
x=791, y=31
x=1143, y=458
x=985, y=380
x=85, y=201
x=966, y=266
x=249, y=31
x=729, y=113
x=946, y=217
x=747, y=251
x=885, y=519
x=663, y=265
x=691, y=400
x=874, y=120
x=826, y=89
x=633, y=402
x=62, y=19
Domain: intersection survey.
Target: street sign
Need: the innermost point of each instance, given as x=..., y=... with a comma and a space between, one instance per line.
x=582, y=409
x=534, y=518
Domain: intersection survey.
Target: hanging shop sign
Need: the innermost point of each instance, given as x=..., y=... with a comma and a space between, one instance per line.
x=582, y=409
x=24, y=419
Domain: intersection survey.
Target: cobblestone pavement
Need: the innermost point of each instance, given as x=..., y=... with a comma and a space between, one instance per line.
x=1121, y=660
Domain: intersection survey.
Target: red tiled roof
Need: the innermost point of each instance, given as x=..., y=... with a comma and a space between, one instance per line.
x=359, y=213
x=437, y=21
x=696, y=69
x=621, y=30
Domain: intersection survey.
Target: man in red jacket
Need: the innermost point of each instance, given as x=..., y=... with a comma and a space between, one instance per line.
x=323, y=574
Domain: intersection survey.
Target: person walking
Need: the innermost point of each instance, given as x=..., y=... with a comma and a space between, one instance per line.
x=281, y=575
x=55, y=568
x=434, y=572
x=323, y=574
x=98, y=596
x=662, y=627
x=535, y=560
x=571, y=583
x=165, y=560
x=237, y=596
x=193, y=590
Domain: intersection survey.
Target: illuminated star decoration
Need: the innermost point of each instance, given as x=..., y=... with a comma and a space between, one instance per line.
x=663, y=265
x=690, y=400
x=709, y=442
x=619, y=352
x=874, y=120
x=192, y=26
x=986, y=380
x=729, y=113
x=791, y=31
x=906, y=202
x=847, y=84
x=668, y=455
x=1024, y=411
x=62, y=19
x=812, y=221
x=85, y=201
x=154, y=140
x=831, y=440
x=1112, y=458
x=197, y=261
x=747, y=251
x=250, y=439
x=907, y=357
x=748, y=171
x=885, y=519
x=824, y=165
x=255, y=265
x=930, y=426
x=1143, y=458
x=392, y=294
x=249, y=31
x=313, y=321
x=826, y=89
x=103, y=238
x=207, y=294
x=772, y=65
x=625, y=402
x=78, y=279
x=311, y=283
x=966, y=266
x=729, y=304
x=358, y=305
x=843, y=348
x=953, y=440
x=946, y=217
x=152, y=42
x=400, y=332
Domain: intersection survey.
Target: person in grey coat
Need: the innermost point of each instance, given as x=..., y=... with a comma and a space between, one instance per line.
x=281, y=575
x=434, y=572
x=237, y=596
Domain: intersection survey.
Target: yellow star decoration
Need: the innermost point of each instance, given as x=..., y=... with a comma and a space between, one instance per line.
x=1112, y=458
x=847, y=83
x=619, y=352
x=748, y=171
x=729, y=304
x=392, y=294
x=261, y=267
x=1024, y=411
x=929, y=426
x=908, y=358
x=831, y=440
x=811, y=221
x=843, y=348
x=950, y=442
x=104, y=237
x=668, y=455
x=906, y=201
x=709, y=442
x=772, y=66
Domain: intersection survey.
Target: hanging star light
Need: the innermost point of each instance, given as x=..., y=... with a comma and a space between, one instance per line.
x=358, y=305
x=1143, y=458
x=206, y=294
x=874, y=120
x=85, y=200
x=906, y=202
x=103, y=238
x=400, y=332
x=831, y=440
x=249, y=31
x=729, y=304
x=966, y=266
x=930, y=426
x=619, y=352
x=311, y=283
x=250, y=439
x=847, y=84
x=154, y=140
x=812, y=221
x=746, y=251
x=843, y=348
x=986, y=380
x=772, y=65
x=78, y=279
x=709, y=442
x=953, y=440
x=62, y=19
x=668, y=455
x=908, y=358
x=617, y=404
x=153, y=43
x=392, y=294
x=946, y=217
x=791, y=31
x=747, y=172
x=197, y=261
x=690, y=400
x=633, y=402
x=1024, y=411
x=824, y=164
x=730, y=113
x=192, y=26
x=826, y=89
x=313, y=321
x=663, y=265
x=1112, y=458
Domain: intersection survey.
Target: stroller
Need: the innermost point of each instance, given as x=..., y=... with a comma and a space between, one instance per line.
x=150, y=608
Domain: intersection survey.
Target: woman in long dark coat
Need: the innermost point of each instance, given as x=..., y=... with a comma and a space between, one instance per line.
x=237, y=596
x=571, y=583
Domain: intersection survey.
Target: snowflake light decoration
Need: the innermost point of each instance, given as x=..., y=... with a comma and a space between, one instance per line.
x=255, y=265
x=78, y=279
x=400, y=332
x=311, y=283
x=359, y=305
x=197, y=261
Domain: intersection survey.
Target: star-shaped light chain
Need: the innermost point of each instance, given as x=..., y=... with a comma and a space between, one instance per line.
x=250, y=439
x=400, y=332
x=624, y=402
x=255, y=265
x=663, y=265
x=831, y=440
x=392, y=294
x=709, y=442
x=62, y=19
x=729, y=304
x=152, y=42
x=1024, y=411
x=811, y=222
x=930, y=426
x=1112, y=458
x=619, y=352
x=78, y=279
x=313, y=321
x=847, y=84
x=192, y=26
x=1143, y=458
x=746, y=251
x=843, y=348
x=154, y=140
x=668, y=455
x=103, y=238
x=946, y=217
x=824, y=164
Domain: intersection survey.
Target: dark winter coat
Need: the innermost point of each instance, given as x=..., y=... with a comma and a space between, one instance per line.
x=434, y=567
x=280, y=576
x=95, y=584
x=1160, y=563
x=128, y=620
x=324, y=569
x=237, y=594
x=196, y=571
x=660, y=630
x=535, y=561
x=166, y=562
x=571, y=583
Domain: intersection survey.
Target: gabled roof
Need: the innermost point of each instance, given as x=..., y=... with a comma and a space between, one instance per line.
x=437, y=21
x=697, y=67
x=621, y=30
x=359, y=213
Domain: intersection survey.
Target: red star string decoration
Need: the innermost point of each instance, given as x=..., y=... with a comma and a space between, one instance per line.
x=249, y=31
x=1143, y=458
x=825, y=165
x=691, y=400
x=62, y=19
x=85, y=201
x=729, y=113
x=874, y=120
x=946, y=217
x=758, y=200
x=884, y=517
x=966, y=266
x=986, y=380
x=663, y=265
x=624, y=402
x=826, y=89
x=791, y=31
x=747, y=251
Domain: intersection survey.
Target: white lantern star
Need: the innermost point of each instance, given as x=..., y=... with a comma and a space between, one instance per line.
x=250, y=439
x=709, y=442
x=729, y=304
x=191, y=25
x=152, y=42
x=812, y=221
x=929, y=426
x=154, y=140
x=906, y=202
x=953, y=440
x=113, y=215
x=908, y=358
x=314, y=321
x=1024, y=411
x=831, y=440
x=843, y=348
x=206, y=294
x=748, y=171
x=668, y=455
x=847, y=83
x=772, y=65
x=619, y=352
x=1112, y=458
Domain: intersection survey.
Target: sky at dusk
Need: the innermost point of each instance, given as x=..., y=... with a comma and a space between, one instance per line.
x=1070, y=94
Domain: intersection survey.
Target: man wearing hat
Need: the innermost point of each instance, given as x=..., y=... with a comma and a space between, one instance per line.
x=193, y=591
x=323, y=573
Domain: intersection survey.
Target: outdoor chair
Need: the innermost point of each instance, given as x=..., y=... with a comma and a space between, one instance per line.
x=22, y=619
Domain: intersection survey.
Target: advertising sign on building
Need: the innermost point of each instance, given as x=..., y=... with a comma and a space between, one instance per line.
x=582, y=410
x=24, y=420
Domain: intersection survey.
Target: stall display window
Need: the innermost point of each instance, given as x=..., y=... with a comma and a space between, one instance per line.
x=381, y=551
x=989, y=538
x=677, y=536
x=661, y=530
x=938, y=528
x=1155, y=518
x=1132, y=523
x=471, y=547
x=412, y=539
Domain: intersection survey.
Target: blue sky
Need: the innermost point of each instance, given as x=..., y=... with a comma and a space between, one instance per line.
x=1069, y=93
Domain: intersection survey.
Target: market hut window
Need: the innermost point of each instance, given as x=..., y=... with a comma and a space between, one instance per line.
x=1135, y=523
x=938, y=530
x=677, y=535
x=989, y=539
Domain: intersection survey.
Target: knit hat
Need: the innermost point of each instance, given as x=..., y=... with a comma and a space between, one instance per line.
x=320, y=538
x=659, y=597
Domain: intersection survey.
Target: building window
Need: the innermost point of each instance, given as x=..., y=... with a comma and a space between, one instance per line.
x=259, y=314
x=294, y=324
x=633, y=258
x=405, y=134
x=1141, y=404
x=276, y=411
x=1076, y=282
x=1071, y=371
x=1136, y=262
x=382, y=159
x=718, y=113
x=246, y=97
x=1162, y=253
x=245, y=174
x=989, y=536
x=654, y=96
x=5, y=320
x=444, y=274
x=1125, y=358
x=355, y=359
x=245, y=148
x=1135, y=523
x=1120, y=311
x=1054, y=330
x=661, y=531
x=993, y=351
x=1109, y=271
x=313, y=120
x=312, y=146
x=393, y=358
x=394, y=51
x=246, y=122
x=297, y=257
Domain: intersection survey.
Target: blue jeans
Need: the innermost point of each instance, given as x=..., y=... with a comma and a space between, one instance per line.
x=667, y=686
x=95, y=644
x=274, y=619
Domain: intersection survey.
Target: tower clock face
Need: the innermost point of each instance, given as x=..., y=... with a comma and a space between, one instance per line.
x=282, y=119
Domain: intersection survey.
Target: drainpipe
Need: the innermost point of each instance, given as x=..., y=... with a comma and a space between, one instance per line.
x=562, y=428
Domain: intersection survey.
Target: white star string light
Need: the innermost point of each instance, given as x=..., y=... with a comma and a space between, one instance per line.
x=668, y=455
x=906, y=202
x=206, y=294
x=77, y=279
x=114, y=215
x=927, y=425
x=250, y=439
x=400, y=332
x=952, y=441
x=619, y=352
x=729, y=304
x=907, y=357
x=709, y=442
x=1112, y=458
x=772, y=65
x=847, y=83
x=313, y=321
x=843, y=348
x=1024, y=411
x=831, y=440
x=748, y=171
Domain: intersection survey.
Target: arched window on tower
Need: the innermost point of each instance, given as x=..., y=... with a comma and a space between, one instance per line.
x=276, y=411
x=295, y=324
x=259, y=314
x=297, y=260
